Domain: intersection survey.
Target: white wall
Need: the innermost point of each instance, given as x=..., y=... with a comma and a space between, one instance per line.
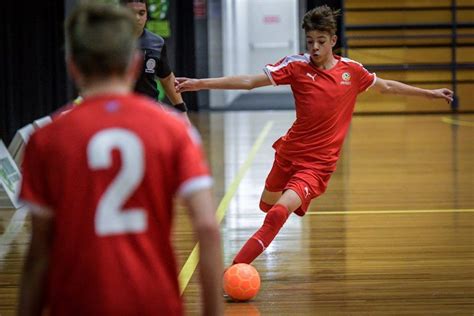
x=236, y=46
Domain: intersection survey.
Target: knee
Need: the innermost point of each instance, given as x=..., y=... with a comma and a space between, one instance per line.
x=265, y=207
x=277, y=216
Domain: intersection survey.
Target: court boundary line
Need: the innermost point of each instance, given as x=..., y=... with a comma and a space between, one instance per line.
x=380, y=212
x=191, y=263
x=456, y=122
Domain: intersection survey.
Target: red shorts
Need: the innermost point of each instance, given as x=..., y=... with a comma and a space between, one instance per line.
x=308, y=183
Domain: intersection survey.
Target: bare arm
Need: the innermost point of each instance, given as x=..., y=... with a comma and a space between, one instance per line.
x=168, y=85
x=202, y=212
x=33, y=281
x=398, y=88
x=243, y=82
x=174, y=96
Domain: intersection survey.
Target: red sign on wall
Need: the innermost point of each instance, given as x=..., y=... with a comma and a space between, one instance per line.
x=200, y=9
x=271, y=19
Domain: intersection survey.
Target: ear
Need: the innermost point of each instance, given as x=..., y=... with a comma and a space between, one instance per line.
x=333, y=40
x=74, y=71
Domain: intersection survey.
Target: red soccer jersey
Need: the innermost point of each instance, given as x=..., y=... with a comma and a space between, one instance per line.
x=324, y=101
x=108, y=171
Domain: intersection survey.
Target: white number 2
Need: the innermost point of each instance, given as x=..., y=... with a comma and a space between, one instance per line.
x=110, y=218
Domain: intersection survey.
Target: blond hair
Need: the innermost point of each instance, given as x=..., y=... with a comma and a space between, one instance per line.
x=100, y=39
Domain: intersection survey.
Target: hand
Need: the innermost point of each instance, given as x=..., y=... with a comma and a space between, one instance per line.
x=183, y=84
x=443, y=94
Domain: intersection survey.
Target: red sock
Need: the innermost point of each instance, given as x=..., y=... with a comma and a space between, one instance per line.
x=265, y=207
x=274, y=220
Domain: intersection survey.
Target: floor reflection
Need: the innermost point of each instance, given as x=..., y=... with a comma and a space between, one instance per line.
x=241, y=309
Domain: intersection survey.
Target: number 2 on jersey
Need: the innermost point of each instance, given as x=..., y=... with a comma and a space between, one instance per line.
x=110, y=218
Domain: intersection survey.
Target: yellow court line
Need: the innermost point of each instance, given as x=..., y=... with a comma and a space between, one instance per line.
x=451, y=121
x=191, y=263
x=375, y=212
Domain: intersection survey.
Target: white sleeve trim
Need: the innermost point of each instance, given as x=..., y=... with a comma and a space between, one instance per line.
x=192, y=185
x=373, y=82
x=269, y=75
x=268, y=69
x=39, y=210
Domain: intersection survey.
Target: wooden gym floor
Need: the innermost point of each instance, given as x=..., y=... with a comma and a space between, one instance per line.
x=393, y=234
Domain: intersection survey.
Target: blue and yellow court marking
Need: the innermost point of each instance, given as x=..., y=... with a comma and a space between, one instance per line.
x=191, y=263
x=452, y=121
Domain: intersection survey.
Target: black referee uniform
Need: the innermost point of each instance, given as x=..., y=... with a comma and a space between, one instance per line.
x=155, y=63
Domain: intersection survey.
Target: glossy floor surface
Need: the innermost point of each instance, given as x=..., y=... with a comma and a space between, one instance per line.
x=393, y=234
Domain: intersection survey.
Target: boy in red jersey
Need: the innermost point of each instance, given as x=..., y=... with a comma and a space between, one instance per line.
x=100, y=182
x=325, y=87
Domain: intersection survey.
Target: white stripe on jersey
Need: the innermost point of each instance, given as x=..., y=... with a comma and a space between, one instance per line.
x=268, y=69
x=269, y=75
x=288, y=60
x=348, y=60
x=373, y=82
x=192, y=185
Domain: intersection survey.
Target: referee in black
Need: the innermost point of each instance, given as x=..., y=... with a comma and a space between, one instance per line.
x=155, y=62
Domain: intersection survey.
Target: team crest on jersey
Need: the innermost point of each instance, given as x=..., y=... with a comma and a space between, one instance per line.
x=346, y=79
x=150, y=66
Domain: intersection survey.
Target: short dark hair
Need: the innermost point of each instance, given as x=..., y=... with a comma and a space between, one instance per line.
x=322, y=19
x=100, y=38
x=125, y=2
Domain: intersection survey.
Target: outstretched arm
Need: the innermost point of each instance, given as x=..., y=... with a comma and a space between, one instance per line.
x=398, y=88
x=168, y=86
x=243, y=82
x=171, y=93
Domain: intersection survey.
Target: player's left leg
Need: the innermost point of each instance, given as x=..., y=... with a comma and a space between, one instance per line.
x=303, y=186
x=276, y=181
x=268, y=199
x=309, y=184
x=274, y=221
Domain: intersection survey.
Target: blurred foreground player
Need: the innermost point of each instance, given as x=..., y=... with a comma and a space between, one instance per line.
x=100, y=182
x=325, y=87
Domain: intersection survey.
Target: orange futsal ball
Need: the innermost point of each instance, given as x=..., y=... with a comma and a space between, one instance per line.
x=241, y=282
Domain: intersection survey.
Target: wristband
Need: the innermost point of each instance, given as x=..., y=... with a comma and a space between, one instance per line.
x=181, y=107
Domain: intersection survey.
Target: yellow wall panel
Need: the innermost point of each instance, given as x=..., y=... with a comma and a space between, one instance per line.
x=406, y=17
x=399, y=55
x=397, y=17
x=465, y=54
x=372, y=101
x=402, y=3
x=394, y=56
x=428, y=32
x=431, y=75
